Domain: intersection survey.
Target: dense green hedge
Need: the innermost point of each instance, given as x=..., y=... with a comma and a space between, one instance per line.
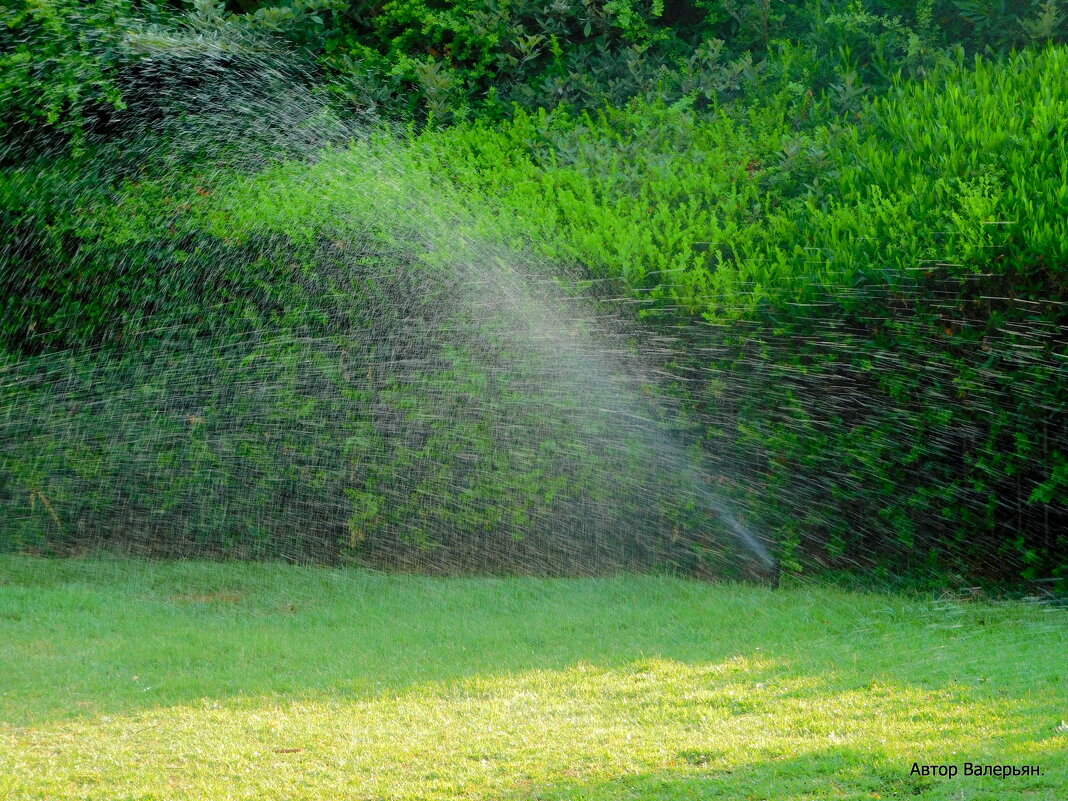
x=862, y=294
x=886, y=298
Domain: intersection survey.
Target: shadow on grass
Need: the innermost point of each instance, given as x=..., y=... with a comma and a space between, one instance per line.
x=833, y=774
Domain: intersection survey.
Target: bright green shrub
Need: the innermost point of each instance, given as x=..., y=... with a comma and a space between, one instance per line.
x=917, y=416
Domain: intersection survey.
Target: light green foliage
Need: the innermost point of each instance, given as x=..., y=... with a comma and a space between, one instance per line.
x=656, y=188
x=648, y=194
x=952, y=187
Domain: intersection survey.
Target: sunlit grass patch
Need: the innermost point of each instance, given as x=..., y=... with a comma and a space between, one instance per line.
x=196, y=680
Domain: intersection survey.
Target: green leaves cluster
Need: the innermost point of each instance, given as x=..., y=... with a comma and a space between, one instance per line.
x=69, y=66
x=885, y=295
x=57, y=64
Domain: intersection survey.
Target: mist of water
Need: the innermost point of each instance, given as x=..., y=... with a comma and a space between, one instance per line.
x=323, y=351
x=454, y=405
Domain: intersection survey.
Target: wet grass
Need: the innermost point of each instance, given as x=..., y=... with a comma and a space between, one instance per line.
x=124, y=680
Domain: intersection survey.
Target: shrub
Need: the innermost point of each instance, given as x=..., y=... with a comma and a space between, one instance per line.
x=864, y=290
x=913, y=418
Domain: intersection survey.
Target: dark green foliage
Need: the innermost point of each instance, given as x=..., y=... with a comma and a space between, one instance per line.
x=57, y=65
x=477, y=56
x=69, y=66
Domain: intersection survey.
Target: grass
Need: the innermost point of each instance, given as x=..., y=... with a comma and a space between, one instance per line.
x=122, y=680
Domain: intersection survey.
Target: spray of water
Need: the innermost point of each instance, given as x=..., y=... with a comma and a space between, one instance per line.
x=340, y=358
x=298, y=339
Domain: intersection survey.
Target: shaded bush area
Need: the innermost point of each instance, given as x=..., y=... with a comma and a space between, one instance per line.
x=69, y=66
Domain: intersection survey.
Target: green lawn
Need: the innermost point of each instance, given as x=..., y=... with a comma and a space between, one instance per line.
x=232, y=681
